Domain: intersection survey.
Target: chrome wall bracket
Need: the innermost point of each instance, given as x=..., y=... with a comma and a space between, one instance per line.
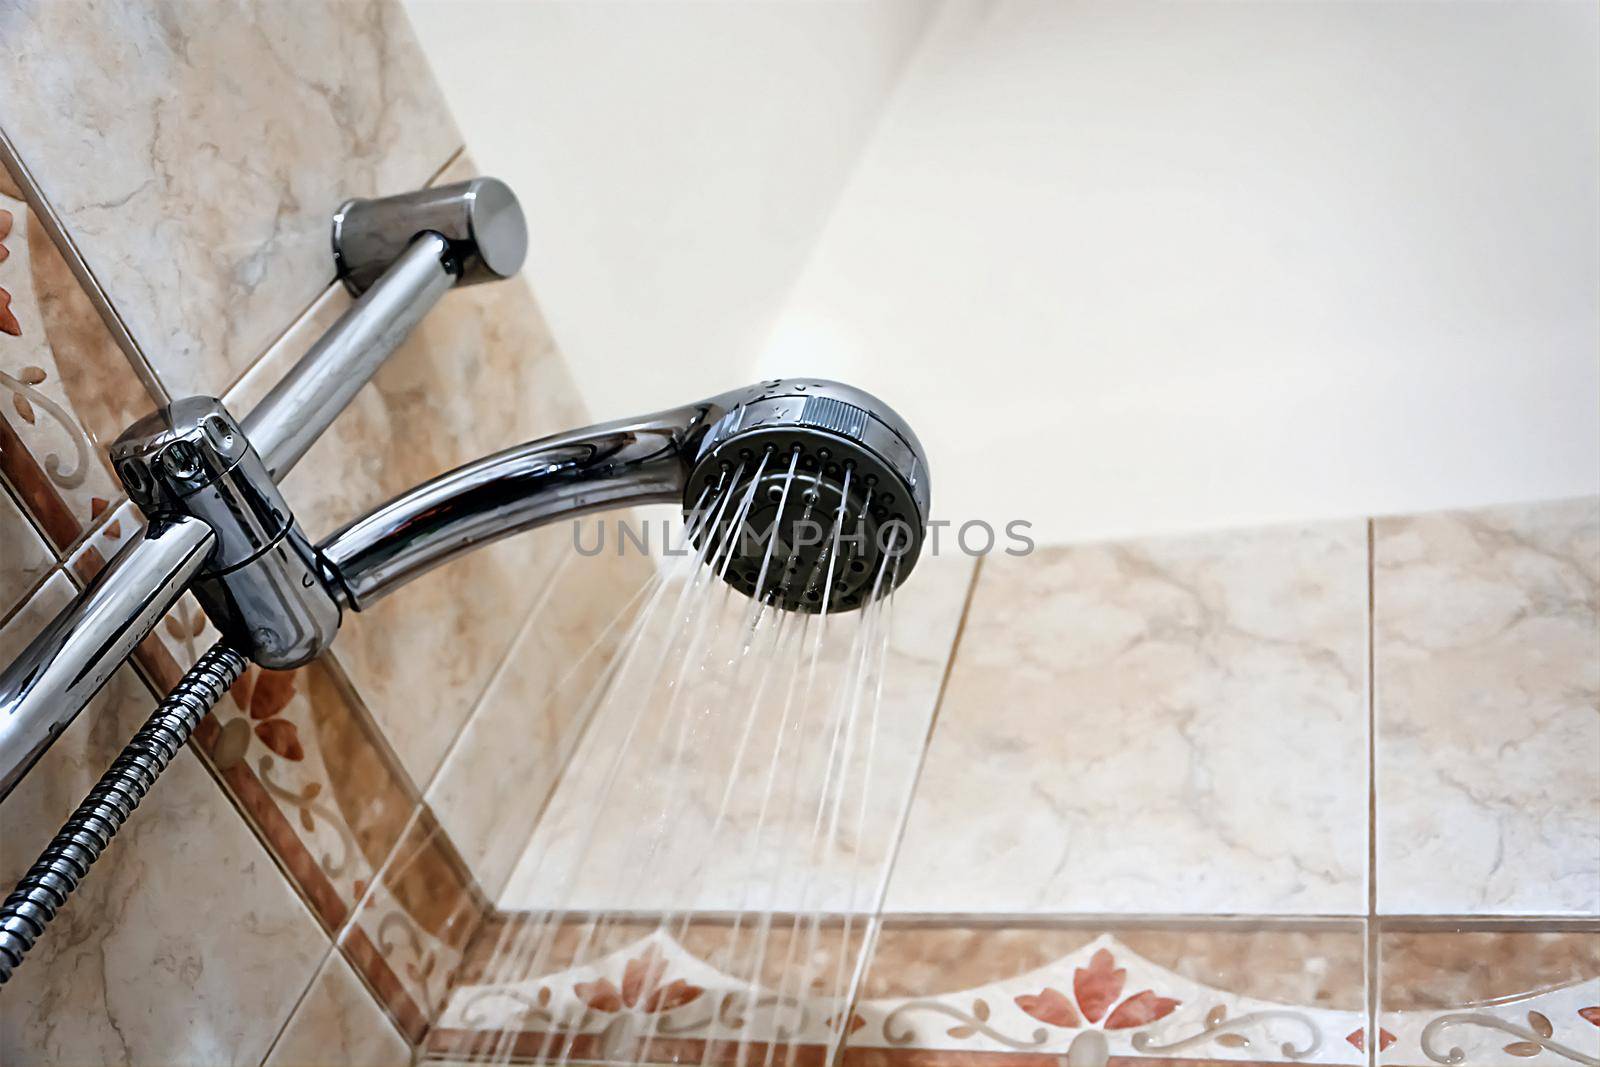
x=480, y=221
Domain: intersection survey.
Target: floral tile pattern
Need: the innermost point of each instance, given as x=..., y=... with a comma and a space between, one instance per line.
x=100, y=987
x=1498, y=997
x=204, y=210
x=619, y=990
x=1487, y=663
x=949, y=992
x=413, y=927
x=66, y=389
x=1116, y=714
x=303, y=761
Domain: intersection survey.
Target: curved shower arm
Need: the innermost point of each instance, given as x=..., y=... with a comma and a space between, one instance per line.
x=616, y=464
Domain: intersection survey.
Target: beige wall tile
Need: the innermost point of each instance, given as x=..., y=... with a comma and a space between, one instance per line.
x=481, y=373
x=1172, y=725
x=338, y=1024
x=1487, y=662
x=223, y=137
x=502, y=770
x=184, y=945
x=716, y=799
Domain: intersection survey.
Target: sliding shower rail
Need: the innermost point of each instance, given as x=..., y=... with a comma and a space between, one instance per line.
x=468, y=232
x=217, y=525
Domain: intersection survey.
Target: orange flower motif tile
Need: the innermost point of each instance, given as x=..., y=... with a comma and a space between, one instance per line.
x=1100, y=1000
x=643, y=987
x=1097, y=987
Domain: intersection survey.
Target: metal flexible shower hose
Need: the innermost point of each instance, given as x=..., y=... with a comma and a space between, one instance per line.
x=44, y=890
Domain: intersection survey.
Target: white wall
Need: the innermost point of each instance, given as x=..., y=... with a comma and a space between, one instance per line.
x=1126, y=267
x=676, y=161
x=1130, y=267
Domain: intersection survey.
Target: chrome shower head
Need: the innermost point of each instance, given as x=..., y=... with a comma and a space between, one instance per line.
x=829, y=473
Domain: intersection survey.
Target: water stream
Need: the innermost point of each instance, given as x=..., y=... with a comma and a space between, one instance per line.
x=699, y=890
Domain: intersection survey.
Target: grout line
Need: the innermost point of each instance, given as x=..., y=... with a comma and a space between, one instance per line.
x=336, y=938
x=296, y=319
x=59, y=567
x=154, y=689
x=1373, y=947
x=56, y=230
x=357, y=705
x=1185, y=920
x=299, y=1001
x=268, y=349
x=590, y=714
x=433, y=178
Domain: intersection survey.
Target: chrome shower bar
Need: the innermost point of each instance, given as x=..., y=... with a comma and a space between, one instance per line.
x=78, y=651
x=397, y=256
x=290, y=418
x=206, y=483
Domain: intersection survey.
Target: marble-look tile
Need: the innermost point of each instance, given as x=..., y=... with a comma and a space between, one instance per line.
x=183, y=918
x=26, y=560
x=1479, y=994
x=504, y=766
x=481, y=373
x=1175, y=725
x=1487, y=682
x=338, y=1024
x=1233, y=991
x=196, y=153
x=66, y=389
x=723, y=772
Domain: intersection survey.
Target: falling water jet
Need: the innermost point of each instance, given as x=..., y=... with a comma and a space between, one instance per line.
x=766, y=639
x=700, y=617
x=546, y=926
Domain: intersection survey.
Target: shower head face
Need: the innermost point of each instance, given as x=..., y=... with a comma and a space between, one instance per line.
x=813, y=494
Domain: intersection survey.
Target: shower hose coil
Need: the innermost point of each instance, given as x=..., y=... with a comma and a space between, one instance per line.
x=56, y=873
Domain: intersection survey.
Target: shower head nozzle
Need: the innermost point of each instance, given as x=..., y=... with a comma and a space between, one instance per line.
x=812, y=494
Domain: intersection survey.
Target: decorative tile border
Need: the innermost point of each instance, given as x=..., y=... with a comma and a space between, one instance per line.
x=1104, y=1000
x=1555, y=1026
x=626, y=990
x=65, y=386
x=414, y=926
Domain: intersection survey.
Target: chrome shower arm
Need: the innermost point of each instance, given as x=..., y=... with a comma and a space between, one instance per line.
x=615, y=464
